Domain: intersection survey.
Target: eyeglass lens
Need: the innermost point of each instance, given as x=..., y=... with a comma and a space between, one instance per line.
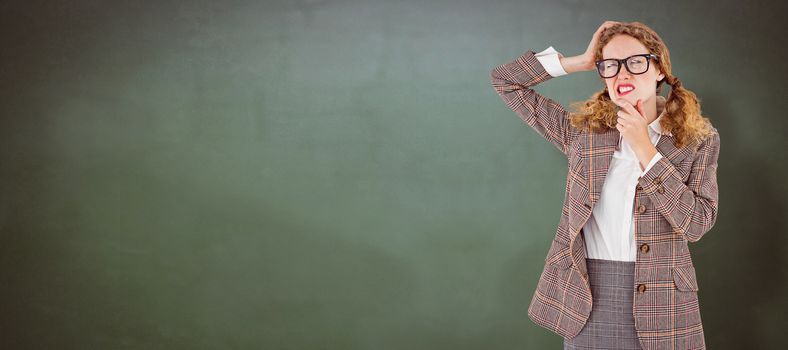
x=635, y=65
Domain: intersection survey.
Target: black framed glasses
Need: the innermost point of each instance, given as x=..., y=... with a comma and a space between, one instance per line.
x=636, y=64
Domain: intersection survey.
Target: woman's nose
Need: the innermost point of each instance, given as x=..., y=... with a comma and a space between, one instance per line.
x=623, y=72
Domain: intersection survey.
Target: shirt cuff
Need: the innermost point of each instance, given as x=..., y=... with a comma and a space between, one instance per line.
x=549, y=59
x=653, y=161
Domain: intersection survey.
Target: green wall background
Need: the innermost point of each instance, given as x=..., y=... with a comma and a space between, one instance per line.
x=341, y=174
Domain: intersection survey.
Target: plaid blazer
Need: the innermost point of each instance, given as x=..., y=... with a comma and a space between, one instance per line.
x=675, y=203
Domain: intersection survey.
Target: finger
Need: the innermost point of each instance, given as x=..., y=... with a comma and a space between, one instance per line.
x=639, y=108
x=628, y=107
x=621, y=102
x=623, y=115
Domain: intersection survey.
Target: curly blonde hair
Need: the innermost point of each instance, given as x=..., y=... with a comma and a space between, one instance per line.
x=682, y=108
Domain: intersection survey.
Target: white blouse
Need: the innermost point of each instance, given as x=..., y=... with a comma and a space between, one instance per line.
x=609, y=233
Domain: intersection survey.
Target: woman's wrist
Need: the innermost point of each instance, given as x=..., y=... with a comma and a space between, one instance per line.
x=645, y=154
x=575, y=64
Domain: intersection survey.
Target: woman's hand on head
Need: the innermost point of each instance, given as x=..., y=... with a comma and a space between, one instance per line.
x=588, y=56
x=585, y=61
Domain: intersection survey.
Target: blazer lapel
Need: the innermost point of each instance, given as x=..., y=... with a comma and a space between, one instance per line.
x=667, y=147
x=599, y=152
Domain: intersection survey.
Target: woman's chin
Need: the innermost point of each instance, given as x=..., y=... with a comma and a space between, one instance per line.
x=630, y=97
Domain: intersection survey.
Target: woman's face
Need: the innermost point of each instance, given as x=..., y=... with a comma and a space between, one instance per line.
x=623, y=46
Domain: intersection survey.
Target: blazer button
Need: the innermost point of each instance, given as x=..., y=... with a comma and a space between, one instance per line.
x=640, y=188
x=657, y=180
x=585, y=275
x=661, y=190
x=641, y=208
x=641, y=288
x=644, y=248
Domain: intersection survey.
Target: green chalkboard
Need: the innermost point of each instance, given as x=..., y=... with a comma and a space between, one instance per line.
x=336, y=174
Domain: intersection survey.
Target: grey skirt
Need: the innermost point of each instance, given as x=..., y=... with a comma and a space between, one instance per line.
x=611, y=324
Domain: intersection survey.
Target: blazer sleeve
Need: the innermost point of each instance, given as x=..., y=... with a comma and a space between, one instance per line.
x=691, y=207
x=513, y=82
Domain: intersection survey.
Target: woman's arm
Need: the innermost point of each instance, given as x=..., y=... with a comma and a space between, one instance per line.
x=690, y=208
x=512, y=81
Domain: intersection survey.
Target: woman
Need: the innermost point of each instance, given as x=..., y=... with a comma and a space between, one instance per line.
x=641, y=184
